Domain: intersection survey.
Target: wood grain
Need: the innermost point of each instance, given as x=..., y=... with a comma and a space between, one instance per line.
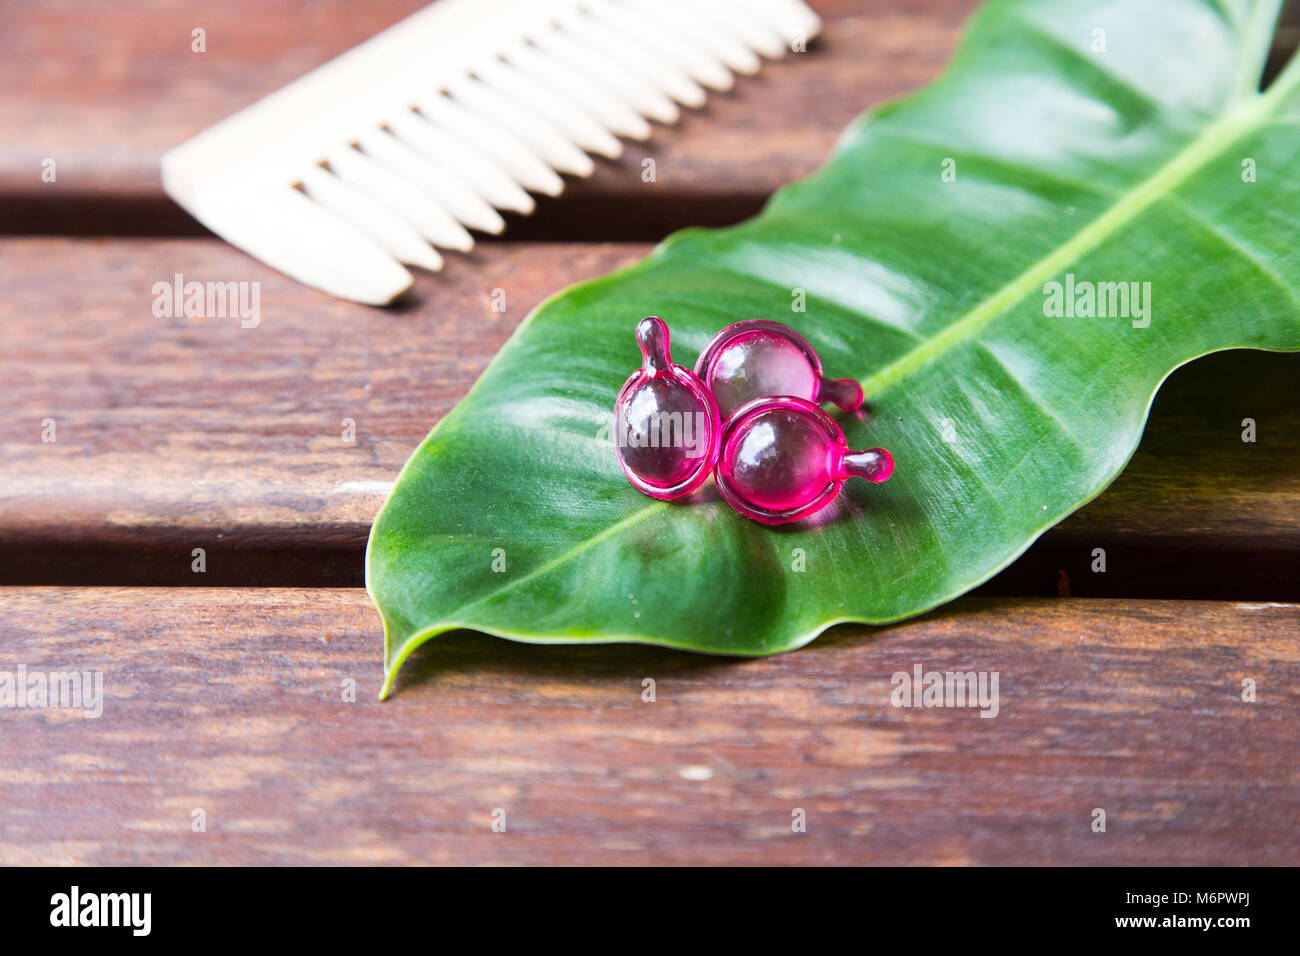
x=82, y=86
x=175, y=434
x=178, y=433
x=231, y=701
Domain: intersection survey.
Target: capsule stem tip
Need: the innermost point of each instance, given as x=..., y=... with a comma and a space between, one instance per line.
x=844, y=392
x=874, y=464
x=652, y=337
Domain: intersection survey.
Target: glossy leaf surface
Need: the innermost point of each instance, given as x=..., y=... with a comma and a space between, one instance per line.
x=1077, y=143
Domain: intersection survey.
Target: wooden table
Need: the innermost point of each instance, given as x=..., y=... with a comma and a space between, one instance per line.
x=226, y=691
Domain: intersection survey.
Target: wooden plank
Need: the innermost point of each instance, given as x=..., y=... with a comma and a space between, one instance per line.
x=174, y=433
x=82, y=87
x=231, y=701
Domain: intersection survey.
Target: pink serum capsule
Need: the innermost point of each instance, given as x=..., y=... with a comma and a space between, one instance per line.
x=784, y=458
x=757, y=358
x=666, y=424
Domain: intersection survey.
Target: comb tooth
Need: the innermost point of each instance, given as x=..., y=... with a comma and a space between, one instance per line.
x=793, y=19
x=488, y=179
x=551, y=102
x=552, y=146
x=448, y=190
x=292, y=234
x=615, y=114
x=703, y=28
x=699, y=64
x=401, y=197
x=753, y=33
x=643, y=96
x=517, y=159
x=662, y=74
x=372, y=218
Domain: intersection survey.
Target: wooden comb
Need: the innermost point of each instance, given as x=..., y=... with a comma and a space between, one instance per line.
x=403, y=144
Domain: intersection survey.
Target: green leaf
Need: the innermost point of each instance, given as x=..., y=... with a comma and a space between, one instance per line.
x=1108, y=141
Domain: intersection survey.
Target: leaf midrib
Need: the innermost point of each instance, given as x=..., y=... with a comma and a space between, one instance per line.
x=1216, y=138
x=1241, y=118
